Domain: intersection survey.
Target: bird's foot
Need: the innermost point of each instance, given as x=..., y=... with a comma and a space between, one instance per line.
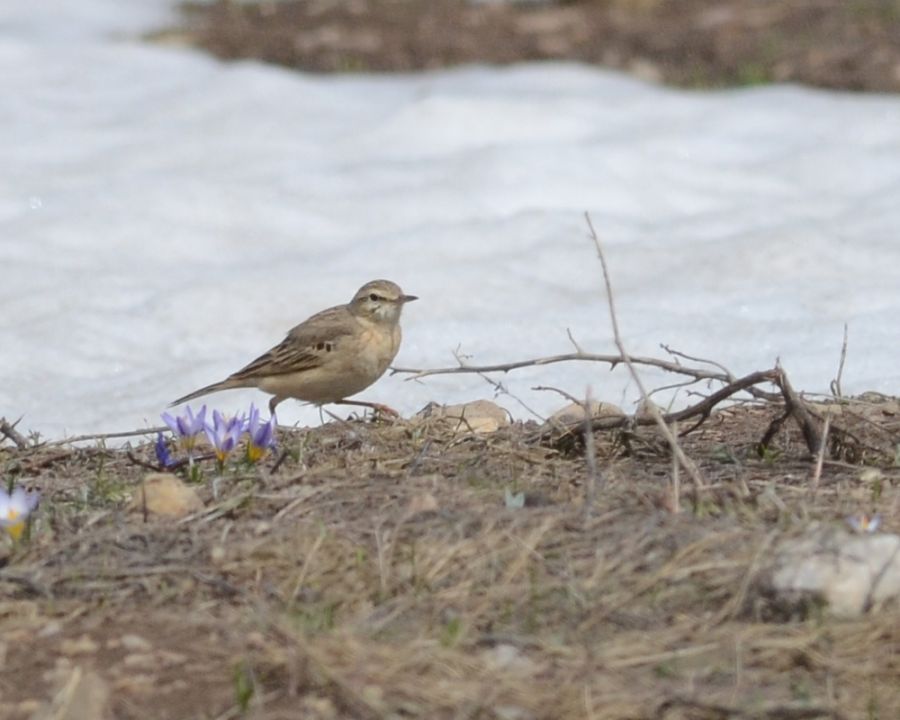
x=385, y=410
x=377, y=408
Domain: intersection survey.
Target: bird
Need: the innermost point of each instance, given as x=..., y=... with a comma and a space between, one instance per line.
x=330, y=356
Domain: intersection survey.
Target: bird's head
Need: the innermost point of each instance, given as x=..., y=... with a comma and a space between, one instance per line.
x=380, y=301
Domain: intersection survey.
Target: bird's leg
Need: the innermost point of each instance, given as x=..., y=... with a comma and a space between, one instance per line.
x=273, y=402
x=377, y=407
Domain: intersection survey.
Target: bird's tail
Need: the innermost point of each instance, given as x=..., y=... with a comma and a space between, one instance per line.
x=215, y=387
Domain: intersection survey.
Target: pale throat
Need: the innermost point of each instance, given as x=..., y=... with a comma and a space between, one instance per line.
x=385, y=314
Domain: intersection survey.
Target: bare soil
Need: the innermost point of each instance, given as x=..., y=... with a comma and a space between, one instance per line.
x=383, y=571
x=846, y=44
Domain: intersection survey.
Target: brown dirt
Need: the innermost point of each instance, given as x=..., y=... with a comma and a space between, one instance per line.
x=379, y=573
x=695, y=43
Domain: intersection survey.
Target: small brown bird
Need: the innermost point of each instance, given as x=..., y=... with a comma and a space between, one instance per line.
x=329, y=357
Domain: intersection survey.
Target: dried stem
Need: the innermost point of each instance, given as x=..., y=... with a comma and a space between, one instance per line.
x=820, y=456
x=8, y=430
x=612, y=360
x=836, y=383
x=590, y=456
x=683, y=459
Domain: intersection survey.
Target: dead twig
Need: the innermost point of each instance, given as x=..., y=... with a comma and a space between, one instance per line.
x=693, y=358
x=281, y=458
x=546, y=388
x=836, y=383
x=796, y=407
x=612, y=360
x=8, y=430
x=714, y=711
x=771, y=431
x=103, y=436
x=574, y=342
x=175, y=465
x=674, y=504
x=590, y=456
x=500, y=388
x=32, y=586
x=683, y=459
x=706, y=406
x=820, y=456
x=701, y=410
x=143, y=463
x=698, y=374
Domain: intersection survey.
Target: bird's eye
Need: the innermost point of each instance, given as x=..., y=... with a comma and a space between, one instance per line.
x=374, y=298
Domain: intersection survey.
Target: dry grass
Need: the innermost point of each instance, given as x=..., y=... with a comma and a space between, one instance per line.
x=847, y=44
x=379, y=574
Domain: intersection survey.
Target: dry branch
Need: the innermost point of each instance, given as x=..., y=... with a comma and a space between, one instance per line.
x=700, y=410
x=797, y=408
x=8, y=430
x=613, y=360
x=677, y=452
x=610, y=359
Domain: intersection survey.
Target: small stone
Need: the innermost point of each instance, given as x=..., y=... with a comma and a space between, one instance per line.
x=505, y=656
x=513, y=712
x=255, y=640
x=574, y=412
x=139, y=683
x=153, y=660
x=170, y=657
x=135, y=643
x=870, y=476
x=479, y=416
x=319, y=707
x=29, y=706
x=53, y=627
x=78, y=646
x=165, y=495
x=373, y=695
x=217, y=554
x=422, y=502
x=645, y=70
x=82, y=695
x=849, y=574
x=140, y=661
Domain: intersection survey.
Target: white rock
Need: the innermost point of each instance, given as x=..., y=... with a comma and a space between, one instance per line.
x=82, y=695
x=135, y=643
x=851, y=574
x=505, y=656
x=478, y=416
x=83, y=645
x=166, y=495
x=574, y=412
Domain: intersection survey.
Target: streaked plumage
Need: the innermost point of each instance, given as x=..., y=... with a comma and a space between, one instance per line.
x=332, y=355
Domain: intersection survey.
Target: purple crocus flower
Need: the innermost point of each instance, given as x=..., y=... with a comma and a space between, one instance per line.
x=15, y=507
x=186, y=427
x=261, y=435
x=163, y=456
x=224, y=433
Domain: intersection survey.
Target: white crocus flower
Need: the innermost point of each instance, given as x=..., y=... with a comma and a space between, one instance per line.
x=864, y=523
x=15, y=508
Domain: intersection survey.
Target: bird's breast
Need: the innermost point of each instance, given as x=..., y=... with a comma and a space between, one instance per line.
x=378, y=347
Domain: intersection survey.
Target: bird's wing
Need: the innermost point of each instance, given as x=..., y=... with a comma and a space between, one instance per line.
x=306, y=346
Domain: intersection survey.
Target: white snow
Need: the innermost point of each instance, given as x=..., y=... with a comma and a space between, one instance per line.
x=165, y=218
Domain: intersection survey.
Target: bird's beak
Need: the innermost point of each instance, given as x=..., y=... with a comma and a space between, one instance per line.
x=408, y=298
